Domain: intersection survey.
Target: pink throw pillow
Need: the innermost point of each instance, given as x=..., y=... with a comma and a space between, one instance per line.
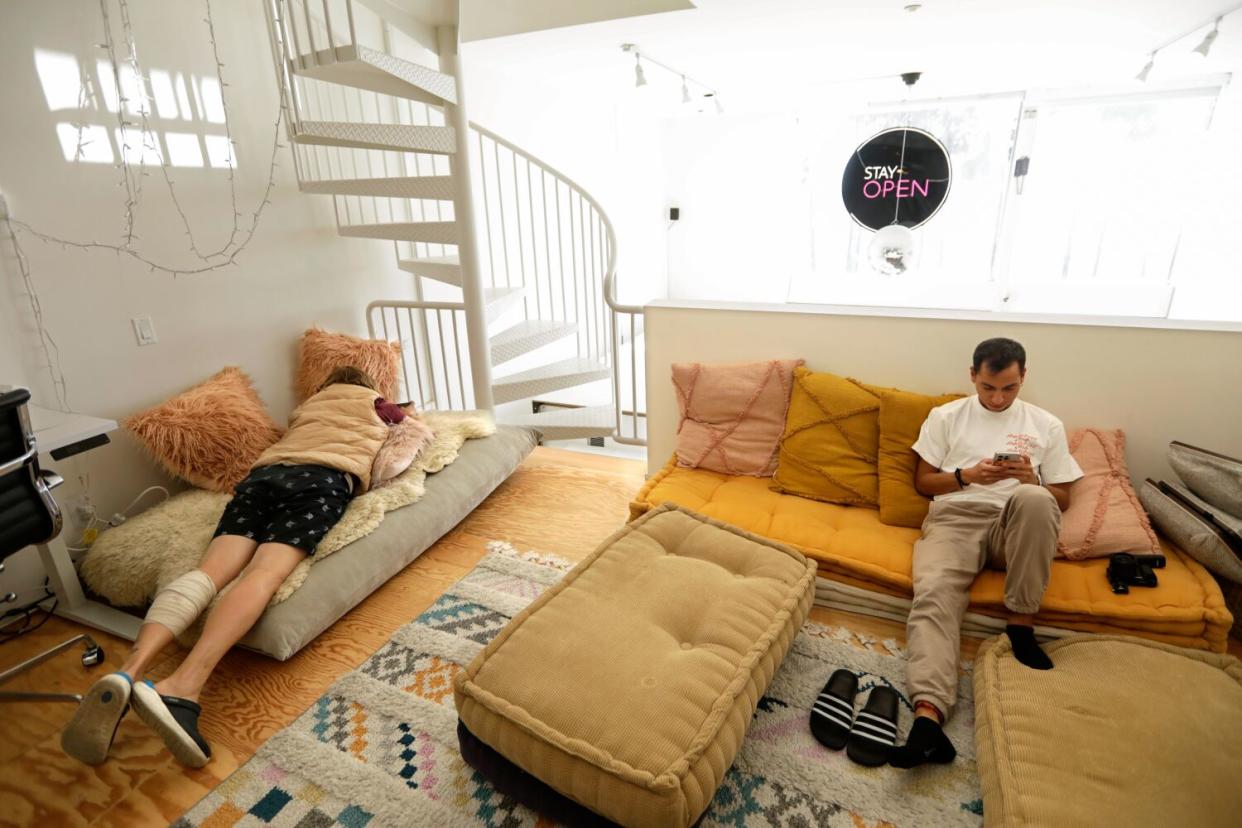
x=1105, y=515
x=322, y=352
x=404, y=443
x=209, y=435
x=732, y=416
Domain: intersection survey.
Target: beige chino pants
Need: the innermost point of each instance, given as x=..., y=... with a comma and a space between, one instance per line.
x=959, y=539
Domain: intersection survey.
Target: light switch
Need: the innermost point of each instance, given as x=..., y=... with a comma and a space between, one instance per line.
x=144, y=330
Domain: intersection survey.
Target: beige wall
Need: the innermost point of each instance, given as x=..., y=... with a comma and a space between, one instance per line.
x=1157, y=384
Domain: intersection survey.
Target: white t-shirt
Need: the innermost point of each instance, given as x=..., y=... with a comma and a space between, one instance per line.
x=959, y=434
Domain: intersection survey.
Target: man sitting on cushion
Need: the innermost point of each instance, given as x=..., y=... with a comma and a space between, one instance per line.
x=296, y=491
x=990, y=511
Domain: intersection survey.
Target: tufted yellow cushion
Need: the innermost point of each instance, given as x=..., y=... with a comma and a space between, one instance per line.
x=1120, y=732
x=629, y=685
x=829, y=448
x=851, y=545
x=901, y=417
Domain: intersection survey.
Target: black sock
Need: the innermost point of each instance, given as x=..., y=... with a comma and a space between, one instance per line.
x=1025, y=648
x=926, y=742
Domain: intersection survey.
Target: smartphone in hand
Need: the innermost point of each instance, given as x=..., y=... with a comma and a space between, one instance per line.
x=1006, y=457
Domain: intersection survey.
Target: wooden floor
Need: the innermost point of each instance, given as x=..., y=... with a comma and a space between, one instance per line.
x=557, y=501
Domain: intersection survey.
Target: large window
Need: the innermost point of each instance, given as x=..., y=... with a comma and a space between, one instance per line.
x=1060, y=203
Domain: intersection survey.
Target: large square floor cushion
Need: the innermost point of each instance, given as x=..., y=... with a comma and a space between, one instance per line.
x=1120, y=732
x=629, y=685
x=852, y=546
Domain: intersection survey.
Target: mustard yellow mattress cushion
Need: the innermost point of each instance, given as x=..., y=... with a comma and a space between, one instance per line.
x=850, y=544
x=629, y=685
x=1120, y=732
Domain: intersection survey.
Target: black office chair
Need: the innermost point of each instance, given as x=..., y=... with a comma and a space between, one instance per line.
x=29, y=515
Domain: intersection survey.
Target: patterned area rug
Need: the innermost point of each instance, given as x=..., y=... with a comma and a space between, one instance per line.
x=380, y=747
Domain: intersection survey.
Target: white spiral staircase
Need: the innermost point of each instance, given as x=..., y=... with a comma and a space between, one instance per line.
x=513, y=263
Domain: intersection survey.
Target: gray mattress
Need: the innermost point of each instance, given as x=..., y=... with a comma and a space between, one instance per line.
x=340, y=582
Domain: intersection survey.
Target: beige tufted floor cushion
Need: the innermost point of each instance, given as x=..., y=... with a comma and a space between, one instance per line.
x=1121, y=732
x=629, y=685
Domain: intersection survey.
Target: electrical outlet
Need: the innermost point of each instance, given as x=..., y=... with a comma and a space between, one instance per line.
x=144, y=330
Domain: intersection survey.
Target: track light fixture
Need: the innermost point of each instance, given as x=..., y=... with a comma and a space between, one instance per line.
x=1203, y=48
x=1208, y=39
x=640, y=78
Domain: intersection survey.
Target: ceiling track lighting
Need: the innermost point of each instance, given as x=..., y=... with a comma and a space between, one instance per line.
x=640, y=78
x=1203, y=48
x=1208, y=39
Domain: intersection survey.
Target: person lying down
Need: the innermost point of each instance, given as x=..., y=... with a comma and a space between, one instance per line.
x=296, y=491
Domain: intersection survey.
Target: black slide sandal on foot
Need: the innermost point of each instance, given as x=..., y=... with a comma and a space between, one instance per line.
x=875, y=728
x=176, y=722
x=832, y=715
x=89, y=734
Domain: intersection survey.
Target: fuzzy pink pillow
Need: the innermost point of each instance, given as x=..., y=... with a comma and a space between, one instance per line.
x=405, y=441
x=1105, y=515
x=323, y=352
x=210, y=435
x=732, y=416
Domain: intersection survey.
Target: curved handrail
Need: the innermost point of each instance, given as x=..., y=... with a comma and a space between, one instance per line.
x=611, y=267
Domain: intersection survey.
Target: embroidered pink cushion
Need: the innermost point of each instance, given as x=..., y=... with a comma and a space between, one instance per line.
x=1105, y=515
x=732, y=416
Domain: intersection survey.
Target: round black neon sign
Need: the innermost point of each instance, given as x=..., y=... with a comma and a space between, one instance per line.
x=898, y=176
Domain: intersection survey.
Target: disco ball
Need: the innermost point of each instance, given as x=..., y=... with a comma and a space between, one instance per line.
x=891, y=251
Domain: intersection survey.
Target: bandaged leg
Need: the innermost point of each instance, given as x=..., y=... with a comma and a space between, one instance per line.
x=179, y=604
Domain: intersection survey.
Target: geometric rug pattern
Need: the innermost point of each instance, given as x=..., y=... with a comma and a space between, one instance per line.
x=380, y=747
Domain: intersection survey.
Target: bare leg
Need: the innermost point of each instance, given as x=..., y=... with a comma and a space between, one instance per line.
x=232, y=617
x=225, y=557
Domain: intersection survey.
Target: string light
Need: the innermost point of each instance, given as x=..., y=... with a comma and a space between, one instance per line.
x=685, y=91
x=1146, y=70
x=639, y=78
x=131, y=181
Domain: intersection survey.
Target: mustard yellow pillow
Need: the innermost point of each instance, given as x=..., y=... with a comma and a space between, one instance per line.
x=901, y=416
x=829, y=448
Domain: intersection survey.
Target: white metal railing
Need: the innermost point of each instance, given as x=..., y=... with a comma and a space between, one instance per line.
x=627, y=374
x=537, y=229
x=435, y=367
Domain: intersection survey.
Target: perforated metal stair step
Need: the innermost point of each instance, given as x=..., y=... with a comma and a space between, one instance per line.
x=432, y=232
x=446, y=269
x=569, y=423
x=551, y=377
x=364, y=68
x=526, y=336
x=439, y=187
x=498, y=300
x=439, y=140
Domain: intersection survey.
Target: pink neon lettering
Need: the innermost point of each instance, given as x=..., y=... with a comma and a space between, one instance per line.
x=887, y=187
x=868, y=193
x=914, y=185
x=903, y=188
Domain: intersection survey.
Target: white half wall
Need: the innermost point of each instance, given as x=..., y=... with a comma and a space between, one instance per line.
x=1156, y=384
x=296, y=272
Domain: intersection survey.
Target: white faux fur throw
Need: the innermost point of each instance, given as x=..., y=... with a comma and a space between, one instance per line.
x=129, y=564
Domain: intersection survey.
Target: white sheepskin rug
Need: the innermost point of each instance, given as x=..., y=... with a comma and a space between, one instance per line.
x=129, y=564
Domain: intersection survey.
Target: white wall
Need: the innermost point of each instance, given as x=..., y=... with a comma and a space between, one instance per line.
x=1158, y=385
x=295, y=273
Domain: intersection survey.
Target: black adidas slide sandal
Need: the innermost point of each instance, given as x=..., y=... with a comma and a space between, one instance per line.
x=90, y=732
x=832, y=715
x=176, y=721
x=875, y=729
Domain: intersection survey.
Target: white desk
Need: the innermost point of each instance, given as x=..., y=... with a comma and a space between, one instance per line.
x=57, y=430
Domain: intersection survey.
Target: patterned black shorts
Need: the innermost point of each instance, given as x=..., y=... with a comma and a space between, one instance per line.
x=296, y=505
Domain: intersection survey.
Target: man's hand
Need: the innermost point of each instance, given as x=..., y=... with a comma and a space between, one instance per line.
x=1020, y=470
x=985, y=472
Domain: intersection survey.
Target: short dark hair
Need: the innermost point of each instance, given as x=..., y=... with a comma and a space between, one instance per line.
x=349, y=375
x=998, y=354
